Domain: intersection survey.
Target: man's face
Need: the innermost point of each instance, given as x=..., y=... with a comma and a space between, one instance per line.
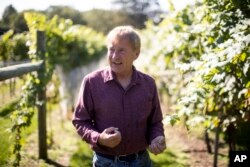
x=121, y=56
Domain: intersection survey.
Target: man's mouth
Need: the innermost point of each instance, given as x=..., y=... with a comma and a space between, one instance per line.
x=117, y=63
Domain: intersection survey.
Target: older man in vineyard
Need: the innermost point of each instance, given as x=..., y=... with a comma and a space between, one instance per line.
x=118, y=110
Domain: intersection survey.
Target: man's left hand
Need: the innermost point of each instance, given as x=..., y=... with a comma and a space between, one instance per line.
x=158, y=145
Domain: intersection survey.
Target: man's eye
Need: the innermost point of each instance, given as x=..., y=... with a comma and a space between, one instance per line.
x=111, y=50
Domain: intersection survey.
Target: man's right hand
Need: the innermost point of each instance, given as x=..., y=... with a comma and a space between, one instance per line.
x=110, y=137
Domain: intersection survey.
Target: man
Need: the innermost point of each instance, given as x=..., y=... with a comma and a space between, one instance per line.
x=118, y=111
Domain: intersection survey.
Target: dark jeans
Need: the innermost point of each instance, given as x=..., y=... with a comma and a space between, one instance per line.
x=143, y=160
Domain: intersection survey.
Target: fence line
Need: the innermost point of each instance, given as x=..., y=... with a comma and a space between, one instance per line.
x=18, y=70
x=21, y=69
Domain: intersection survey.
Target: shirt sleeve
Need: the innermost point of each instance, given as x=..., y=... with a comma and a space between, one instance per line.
x=155, y=125
x=84, y=115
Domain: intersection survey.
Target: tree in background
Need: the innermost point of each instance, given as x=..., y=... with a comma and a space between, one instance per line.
x=141, y=10
x=105, y=20
x=66, y=13
x=19, y=24
x=11, y=19
x=98, y=19
x=8, y=15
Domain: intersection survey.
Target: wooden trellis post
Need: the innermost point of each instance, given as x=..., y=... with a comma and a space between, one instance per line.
x=42, y=132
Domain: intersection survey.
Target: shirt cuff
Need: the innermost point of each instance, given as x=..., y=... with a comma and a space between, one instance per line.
x=154, y=135
x=94, y=138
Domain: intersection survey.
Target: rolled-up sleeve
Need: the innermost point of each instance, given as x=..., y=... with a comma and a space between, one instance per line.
x=83, y=117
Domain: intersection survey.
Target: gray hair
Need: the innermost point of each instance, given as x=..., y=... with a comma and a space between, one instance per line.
x=125, y=32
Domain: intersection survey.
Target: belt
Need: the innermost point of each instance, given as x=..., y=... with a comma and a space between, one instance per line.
x=122, y=158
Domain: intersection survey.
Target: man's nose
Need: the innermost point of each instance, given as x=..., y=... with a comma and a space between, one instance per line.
x=115, y=55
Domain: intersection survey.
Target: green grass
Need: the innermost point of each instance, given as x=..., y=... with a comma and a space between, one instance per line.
x=83, y=156
x=169, y=158
x=5, y=141
x=7, y=138
x=5, y=93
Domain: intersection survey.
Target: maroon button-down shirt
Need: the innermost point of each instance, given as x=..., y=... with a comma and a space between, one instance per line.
x=104, y=103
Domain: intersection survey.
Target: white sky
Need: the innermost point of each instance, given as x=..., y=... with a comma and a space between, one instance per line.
x=80, y=5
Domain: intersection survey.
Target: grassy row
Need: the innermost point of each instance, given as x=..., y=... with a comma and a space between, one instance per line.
x=5, y=140
x=169, y=158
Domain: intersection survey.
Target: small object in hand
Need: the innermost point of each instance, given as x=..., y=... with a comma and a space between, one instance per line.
x=113, y=131
x=162, y=142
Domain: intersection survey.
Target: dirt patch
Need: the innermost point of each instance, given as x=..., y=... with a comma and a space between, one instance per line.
x=179, y=138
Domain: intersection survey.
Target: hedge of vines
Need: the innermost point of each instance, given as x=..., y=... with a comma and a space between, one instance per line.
x=200, y=56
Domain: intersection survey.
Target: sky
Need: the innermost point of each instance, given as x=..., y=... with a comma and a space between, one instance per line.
x=81, y=5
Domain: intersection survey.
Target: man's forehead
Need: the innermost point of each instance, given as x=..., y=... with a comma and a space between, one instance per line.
x=117, y=40
x=118, y=37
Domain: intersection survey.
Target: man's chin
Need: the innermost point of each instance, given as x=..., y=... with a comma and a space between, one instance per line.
x=116, y=70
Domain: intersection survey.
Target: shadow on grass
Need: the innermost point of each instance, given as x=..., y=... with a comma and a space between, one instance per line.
x=55, y=164
x=169, y=158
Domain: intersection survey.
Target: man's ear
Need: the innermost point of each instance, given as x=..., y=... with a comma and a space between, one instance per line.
x=137, y=53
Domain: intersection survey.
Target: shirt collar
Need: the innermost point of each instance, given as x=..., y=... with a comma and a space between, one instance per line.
x=108, y=75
